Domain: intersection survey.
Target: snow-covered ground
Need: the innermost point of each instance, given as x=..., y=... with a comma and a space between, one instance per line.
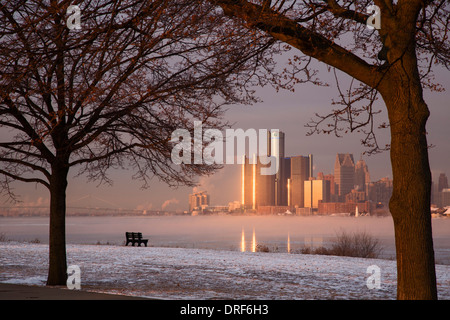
x=180, y=273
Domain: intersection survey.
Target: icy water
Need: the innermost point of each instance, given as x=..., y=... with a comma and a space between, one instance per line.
x=236, y=233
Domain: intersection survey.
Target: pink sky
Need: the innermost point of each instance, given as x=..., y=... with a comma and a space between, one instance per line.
x=288, y=112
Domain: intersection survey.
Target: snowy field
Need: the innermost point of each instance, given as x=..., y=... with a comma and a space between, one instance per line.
x=183, y=273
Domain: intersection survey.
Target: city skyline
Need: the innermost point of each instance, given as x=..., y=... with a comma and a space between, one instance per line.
x=285, y=110
x=304, y=193
x=297, y=189
x=179, y=203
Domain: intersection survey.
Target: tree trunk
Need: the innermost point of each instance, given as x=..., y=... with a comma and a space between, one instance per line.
x=410, y=201
x=57, y=272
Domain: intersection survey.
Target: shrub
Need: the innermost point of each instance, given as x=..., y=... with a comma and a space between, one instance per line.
x=358, y=244
x=322, y=251
x=319, y=250
x=262, y=248
x=306, y=250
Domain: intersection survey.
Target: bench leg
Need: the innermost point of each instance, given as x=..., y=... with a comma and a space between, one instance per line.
x=136, y=242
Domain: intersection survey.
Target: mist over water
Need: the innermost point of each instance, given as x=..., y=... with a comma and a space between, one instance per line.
x=223, y=232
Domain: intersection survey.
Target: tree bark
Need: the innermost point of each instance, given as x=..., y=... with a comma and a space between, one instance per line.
x=399, y=83
x=410, y=201
x=57, y=272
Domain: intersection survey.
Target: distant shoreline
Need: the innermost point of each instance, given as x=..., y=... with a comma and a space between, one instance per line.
x=172, y=213
x=166, y=213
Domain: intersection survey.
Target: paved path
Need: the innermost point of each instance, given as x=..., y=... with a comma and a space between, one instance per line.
x=23, y=292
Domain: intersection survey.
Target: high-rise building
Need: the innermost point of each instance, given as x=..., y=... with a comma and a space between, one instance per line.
x=276, y=149
x=266, y=190
x=275, y=143
x=344, y=173
x=380, y=191
x=333, y=187
x=444, y=198
x=257, y=189
x=286, y=187
x=362, y=176
x=300, y=171
x=198, y=200
x=441, y=193
x=315, y=191
x=285, y=175
x=442, y=182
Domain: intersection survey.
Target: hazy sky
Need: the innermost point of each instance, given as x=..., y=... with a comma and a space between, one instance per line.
x=286, y=111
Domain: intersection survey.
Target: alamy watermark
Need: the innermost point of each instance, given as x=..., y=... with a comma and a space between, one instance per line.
x=73, y=21
x=213, y=152
x=374, y=280
x=374, y=21
x=73, y=277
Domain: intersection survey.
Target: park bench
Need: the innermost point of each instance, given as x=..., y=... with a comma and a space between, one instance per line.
x=135, y=237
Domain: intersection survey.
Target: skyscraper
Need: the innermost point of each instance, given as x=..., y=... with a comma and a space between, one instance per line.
x=249, y=184
x=198, y=200
x=362, y=176
x=333, y=189
x=344, y=173
x=300, y=171
x=275, y=143
x=257, y=189
x=276, y=149
x=265, y=190
x=316, y=190
x=380, y=191
x=442, y=182
x=285, y=175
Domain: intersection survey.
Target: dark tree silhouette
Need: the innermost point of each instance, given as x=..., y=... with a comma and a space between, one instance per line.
x=396, y=62
x=109, y=94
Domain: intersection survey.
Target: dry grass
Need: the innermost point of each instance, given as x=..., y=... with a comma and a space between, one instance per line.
x=357, y=244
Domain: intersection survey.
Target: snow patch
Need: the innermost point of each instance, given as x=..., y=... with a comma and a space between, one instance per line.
x=179, y=273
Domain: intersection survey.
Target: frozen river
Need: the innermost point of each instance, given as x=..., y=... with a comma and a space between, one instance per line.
x=222, y=232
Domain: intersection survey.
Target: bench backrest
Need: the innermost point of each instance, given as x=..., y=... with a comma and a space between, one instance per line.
x=133, y=235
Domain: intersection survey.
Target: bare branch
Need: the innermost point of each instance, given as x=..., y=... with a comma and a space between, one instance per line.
x=23, y=179
x=110, y=94
x=309, y=42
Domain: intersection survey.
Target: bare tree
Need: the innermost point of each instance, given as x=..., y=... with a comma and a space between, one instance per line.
x=394, y=62
x=109, y=94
